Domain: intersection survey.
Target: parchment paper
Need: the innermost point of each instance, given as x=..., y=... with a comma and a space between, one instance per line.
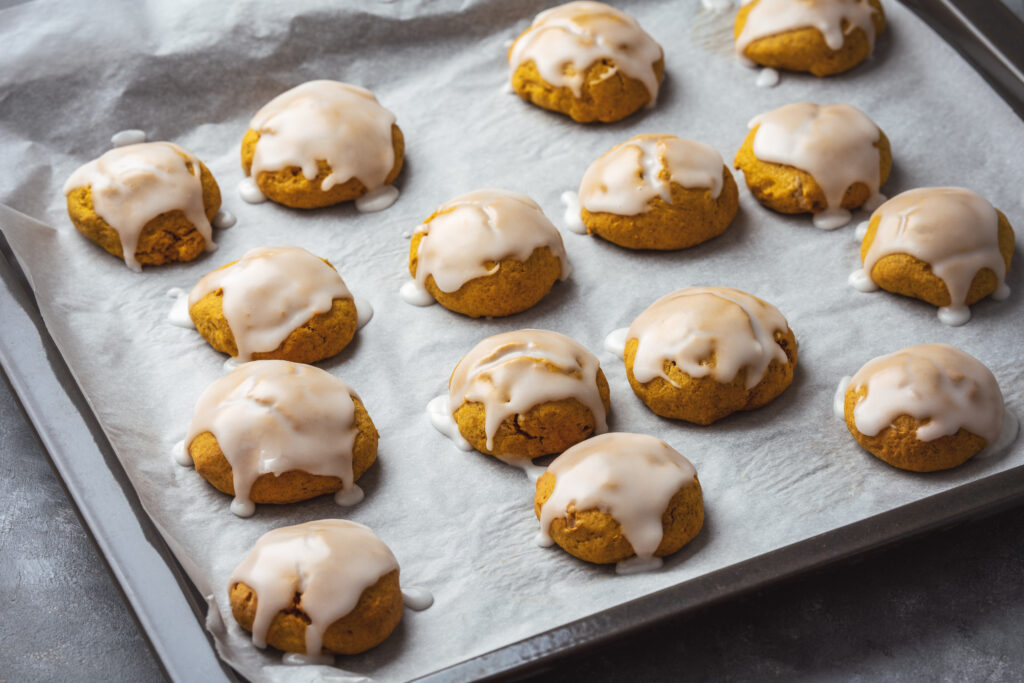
x=462, y=525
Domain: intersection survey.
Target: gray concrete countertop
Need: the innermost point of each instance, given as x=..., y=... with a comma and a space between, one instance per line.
x=945, y=607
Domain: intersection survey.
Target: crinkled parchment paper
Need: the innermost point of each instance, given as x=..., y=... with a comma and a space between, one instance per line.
x=462, y=525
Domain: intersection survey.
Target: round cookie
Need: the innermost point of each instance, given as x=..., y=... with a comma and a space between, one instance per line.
x=821, y=159
x=275, y=303
x=924, y=408
x=148, y=204
x=658, y=192
x=825, y=37
x=324, y=587
x=322, y=143
x=486, y=253
x=520, y=395
x=620, y=496
x=587, y=60
x=944, y=245
x=272, y=431
x=702, y=353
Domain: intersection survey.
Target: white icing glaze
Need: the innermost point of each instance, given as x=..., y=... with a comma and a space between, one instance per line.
x=377, y=200
x=180, y=455
x=615, y=342
x=564, y=41
x=178, y=315
x=349, y=497
x=688, y=326
x=839, y=398
x=862, y=229
x=269, y=293
x=277, y=416
x=250, y=192
x=830, y=219
x=224, y=220
x=417, y=598
x=338, y=123
x=860, y=281
x=631, y=477
x=364, y=311
x=771, y=17
x=767, y=78
x=296, y=659
x=415, y=294
x=132, y=185
x=638, y=565
x=954, y=230
x=131, y=136
x=572, y=218
x=954, y=316
x=834, y=143
x=441, y=417
x=512, y=372
x=626, y=178
x=479, y=228
x=329, y=562
x=938, y=384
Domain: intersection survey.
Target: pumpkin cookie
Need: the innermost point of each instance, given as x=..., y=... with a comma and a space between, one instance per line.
x=148, y=204
x=658, y=192
x=324, y=587
x=321, y=143
x=272, y=431
x=626, y=498
x=587, y=60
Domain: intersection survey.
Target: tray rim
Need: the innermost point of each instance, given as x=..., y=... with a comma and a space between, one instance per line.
x=172, y=617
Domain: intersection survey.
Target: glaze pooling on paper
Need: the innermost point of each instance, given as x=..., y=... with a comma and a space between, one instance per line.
x=625, y=179
x=512, y=372
x=834, y=143
x=133, y=184
x=269, y=293
x=330, y=562
x=835, y=19
x=631, y=477
x=274, y=416
x=938, y=384
x=952, y=229
x=338, y=123
x=468, y=236
x=564, y=41
x=687, y=327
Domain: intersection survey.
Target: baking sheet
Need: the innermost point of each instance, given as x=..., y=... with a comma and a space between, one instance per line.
x=461, y=524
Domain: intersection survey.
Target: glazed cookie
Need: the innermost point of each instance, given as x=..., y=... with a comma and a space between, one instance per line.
x=520, y=395
x=148, y=204
x=320, y=588
x=485, y=253
x=321, y=143
x=276, y=303
x=587, y=60
x=824, y=37
x=924, y=408
x=626, y=498
x=944, y=245
x=271, y=431
x=825, y=160
x=658, y=192
x=702, y=353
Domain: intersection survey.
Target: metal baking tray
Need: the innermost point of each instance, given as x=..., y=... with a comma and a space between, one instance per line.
x=170, y=611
